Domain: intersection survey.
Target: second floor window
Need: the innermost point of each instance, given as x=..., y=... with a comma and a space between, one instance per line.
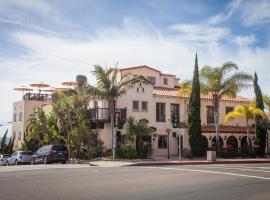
x=20, y=116
x=210, y=114
x=165, y=81
x=14, y=117
x=135, y=105
x=160, y=112
x=152, y=79
x=144, y=105
x=20, y=136
x=229, y=109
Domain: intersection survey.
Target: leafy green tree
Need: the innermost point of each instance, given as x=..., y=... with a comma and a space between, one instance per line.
x=111, y=85
x=3, y=144
x=247, y=112
x=9, y=148
x=194, y=114
x=136, y=130
x=261, y=124
x=219, y=82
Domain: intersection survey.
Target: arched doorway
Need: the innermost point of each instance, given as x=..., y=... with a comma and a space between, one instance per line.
x=244, y=145
x=220, y=142
x=204, y=144
x=232, y=143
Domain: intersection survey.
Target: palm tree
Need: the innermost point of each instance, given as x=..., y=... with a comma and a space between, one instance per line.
x=247, y=112
x=37, y=126
x=219, y=82
x=111, y=85
x=136, y=130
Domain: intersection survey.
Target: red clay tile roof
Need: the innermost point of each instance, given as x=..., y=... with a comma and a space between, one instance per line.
x=172, y=92
x=145, y=66
x=222, y=128
x=136, y=67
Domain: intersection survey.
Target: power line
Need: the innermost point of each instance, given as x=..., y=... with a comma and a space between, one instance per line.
x=46, y=53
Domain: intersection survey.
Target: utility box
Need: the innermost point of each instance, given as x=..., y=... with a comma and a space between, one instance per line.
x=211, y=155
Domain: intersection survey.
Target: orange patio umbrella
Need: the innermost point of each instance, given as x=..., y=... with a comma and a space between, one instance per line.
x=39, y=85
x=70, y=83
x=49, y=89
x=23, y=89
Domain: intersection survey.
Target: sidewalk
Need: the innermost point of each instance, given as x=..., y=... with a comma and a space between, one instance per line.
x=163, y=162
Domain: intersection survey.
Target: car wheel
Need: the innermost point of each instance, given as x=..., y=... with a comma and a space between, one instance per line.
x=64, y=162
x=16, y=162
x=45, y=160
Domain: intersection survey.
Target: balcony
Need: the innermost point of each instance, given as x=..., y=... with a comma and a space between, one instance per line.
x=103, y=114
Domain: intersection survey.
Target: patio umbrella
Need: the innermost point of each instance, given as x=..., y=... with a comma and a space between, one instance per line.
x=62, y=88
x=70, y=83
x=49, y=89
x=23, y=89
x=39, y=85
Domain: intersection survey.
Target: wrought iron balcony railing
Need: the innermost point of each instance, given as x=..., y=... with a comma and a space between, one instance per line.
x=104, y=115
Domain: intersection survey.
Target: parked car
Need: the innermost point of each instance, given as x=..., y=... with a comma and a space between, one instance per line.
x=50, y=154
x=20, y=157
x=3, y=159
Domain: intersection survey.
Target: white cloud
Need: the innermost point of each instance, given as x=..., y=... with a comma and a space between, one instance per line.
x=230, y=9
x=244, y=40
x=199, y=32
x=255, y=12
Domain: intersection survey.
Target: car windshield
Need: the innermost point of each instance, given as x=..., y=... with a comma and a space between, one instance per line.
x=59, y=148
x=26, y=153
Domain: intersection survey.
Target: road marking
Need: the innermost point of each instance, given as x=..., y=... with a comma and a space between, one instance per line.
x=211, y=172
x=242, y=169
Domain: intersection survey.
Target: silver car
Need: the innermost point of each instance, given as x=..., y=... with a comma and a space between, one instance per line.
x=3, y=159
x=20, y=157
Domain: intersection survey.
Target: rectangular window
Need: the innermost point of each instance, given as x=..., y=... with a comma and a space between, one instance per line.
x=175, y=115
x=162, y=141
x=152, y=79
x=160, y=112
x=165, y=81
x=135, y=105
x=144, y=105
x=19, y=136
x=14, y=117
x=229, y=109
x=210, y=114
x=20, y=116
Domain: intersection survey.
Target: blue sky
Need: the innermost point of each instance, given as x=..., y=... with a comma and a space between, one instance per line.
x=52, y=41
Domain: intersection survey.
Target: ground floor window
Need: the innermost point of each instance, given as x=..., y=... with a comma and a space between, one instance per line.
x=162, y=141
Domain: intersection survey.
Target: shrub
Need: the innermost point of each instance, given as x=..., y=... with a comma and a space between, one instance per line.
x=126, y=151
x=227, y=154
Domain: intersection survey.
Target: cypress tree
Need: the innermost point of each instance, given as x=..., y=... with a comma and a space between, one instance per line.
x=194, y=114
x=260, y=125
x=3, y=143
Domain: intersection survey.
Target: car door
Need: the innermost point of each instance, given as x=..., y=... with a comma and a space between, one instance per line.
x=11, y=161
x=37, y=155
x=40, y=155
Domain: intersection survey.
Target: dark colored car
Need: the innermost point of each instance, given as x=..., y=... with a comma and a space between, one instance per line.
x=50, y=154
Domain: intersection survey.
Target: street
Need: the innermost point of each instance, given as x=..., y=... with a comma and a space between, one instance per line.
x=39, y=182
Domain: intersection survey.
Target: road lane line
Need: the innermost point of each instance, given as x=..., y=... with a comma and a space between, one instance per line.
x=211, y=172
x=242, y=169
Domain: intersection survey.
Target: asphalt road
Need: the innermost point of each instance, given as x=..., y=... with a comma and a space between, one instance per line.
x=53, y=182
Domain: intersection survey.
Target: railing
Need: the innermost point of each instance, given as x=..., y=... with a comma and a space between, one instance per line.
x=103, y=114
x=36, y=97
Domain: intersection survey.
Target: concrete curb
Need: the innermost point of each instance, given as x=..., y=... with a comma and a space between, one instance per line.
x=201, y=162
